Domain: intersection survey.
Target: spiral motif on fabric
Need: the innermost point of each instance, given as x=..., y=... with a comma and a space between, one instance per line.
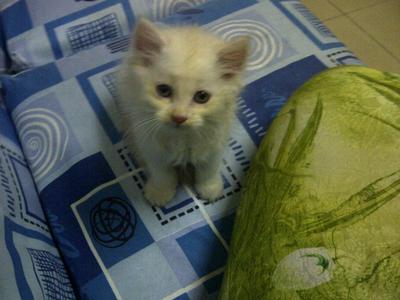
x=163, y=8
x=44, y=136
x=266, y=45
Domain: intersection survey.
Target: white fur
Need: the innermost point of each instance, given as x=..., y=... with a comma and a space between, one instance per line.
x=188, y=61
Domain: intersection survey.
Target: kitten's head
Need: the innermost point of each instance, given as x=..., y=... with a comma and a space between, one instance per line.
x=188, y=77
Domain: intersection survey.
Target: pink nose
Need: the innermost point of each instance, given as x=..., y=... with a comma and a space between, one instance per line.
x=178, y=119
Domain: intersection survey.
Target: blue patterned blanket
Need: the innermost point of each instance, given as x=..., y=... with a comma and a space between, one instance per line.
x=73, y=220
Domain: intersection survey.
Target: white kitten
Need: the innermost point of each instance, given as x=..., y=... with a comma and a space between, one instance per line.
x=178, y=91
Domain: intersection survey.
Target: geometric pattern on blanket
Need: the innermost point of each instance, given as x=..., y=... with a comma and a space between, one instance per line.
x=49, y=269
x=23, y=226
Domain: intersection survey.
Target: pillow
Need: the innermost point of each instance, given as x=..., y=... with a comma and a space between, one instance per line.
x=31, y=266
x=320, y=216
x=65, y=115
x=38, y=32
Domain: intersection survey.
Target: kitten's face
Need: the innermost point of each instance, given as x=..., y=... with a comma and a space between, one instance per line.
x=189, y=77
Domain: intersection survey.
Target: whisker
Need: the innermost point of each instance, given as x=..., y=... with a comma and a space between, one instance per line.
x=145, y=122
x=149, y=131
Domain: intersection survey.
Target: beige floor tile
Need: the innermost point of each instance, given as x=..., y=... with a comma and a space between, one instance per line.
x=323, y=9
x=369, y=51
x=382, y=22
x=350, y=5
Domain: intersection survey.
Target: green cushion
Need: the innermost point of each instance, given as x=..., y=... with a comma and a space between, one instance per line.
x=320, y=214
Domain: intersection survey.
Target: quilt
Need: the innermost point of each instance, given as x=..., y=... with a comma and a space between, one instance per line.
x=62, y=105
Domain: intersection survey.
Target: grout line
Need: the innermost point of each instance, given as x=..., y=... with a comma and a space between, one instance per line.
x=337, y=7
x=350, y=18
x=373, y=38
x=317, y=15
x=331, y=18
x=382, y=46
x=357, y=9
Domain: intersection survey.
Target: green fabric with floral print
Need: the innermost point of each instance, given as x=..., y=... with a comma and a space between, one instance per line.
x=320, y=214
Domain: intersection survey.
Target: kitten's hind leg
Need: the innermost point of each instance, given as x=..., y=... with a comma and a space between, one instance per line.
x=161, y=184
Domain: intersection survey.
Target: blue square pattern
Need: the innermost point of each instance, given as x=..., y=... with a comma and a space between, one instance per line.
x=97, y=100
x=7, y=129
x=9, y=186
x=203, y=250
x=183, y=297
x=158, y=10
x=57, y=198
x=312, y=27
x=19, y=191
x=18, y=88
x=89, y=27
x=225, y=226
x=177, y=259
x=213, y=284
x=119, y=44
x=110, y=82
x=46, y=136
x=4, y=57
x=31, y=251
x=145, y=275
x=86, y=35
x=97, y=288
x=262, y=99
x=343, y=57
x=29, y=193
x=208, y=290
x=203, y=14
x=52, y=277
x=18, y=19
x=114, y=226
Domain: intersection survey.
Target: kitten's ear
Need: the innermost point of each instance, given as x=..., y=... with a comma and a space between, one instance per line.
x=147, y=41
x=232, y=57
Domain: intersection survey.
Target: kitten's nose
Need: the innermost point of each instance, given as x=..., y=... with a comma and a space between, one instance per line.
x=178, y=119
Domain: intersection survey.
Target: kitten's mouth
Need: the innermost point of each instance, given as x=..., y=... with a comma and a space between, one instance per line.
x=178, y=126
x=185, y=126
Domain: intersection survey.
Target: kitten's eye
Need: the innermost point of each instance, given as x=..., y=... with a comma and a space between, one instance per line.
x=201, y=97
x=164, y=90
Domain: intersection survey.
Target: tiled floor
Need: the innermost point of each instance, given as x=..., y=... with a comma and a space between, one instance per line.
x=370, y=28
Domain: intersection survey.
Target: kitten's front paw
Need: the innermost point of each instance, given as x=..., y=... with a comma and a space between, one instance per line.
x=158, y=196
x=210, y=190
